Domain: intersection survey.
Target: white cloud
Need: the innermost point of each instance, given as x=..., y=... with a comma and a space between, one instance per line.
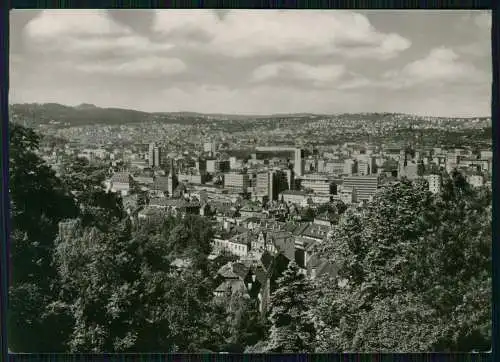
x=84, y=32
x=483, y=20
x=299, y=71
x=51, y=24
x=245, y=33
x=137, y=67
x=441, y=65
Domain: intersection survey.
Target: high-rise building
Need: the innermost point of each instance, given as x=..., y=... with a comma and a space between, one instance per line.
x=349, y=166
x=156, y=156
x=318, y=183
x=364, y=187
x=237, y=182
x=172, y=179
x=209, y=147
x=214, y=166
x=298, y=162
x=289, y=179
x=151, y=154
x=434, y=183
x=262, y=184
x=363, y=168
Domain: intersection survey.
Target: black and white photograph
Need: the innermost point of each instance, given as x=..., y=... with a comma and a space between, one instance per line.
x=250, y=181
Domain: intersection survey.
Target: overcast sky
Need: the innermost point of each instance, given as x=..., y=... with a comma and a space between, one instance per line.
x=255, y=62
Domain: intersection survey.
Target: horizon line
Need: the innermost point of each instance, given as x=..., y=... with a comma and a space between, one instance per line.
x=247, y=114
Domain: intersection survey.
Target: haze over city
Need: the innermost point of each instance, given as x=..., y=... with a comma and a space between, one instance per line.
x=255, y=62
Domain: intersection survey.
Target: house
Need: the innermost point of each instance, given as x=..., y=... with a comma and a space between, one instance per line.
x=228, y=288
x=318, y=266
x=238, y=244
x=150, y=213
x=120, y=183
x=175, y=205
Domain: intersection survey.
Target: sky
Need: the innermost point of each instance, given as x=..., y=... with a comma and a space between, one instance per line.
x=435, y=63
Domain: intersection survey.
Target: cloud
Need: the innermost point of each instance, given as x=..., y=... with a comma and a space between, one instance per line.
x=483, y=20
x=247, y=33
x=71, y=23
x=321, y=74
x=82, y=39
x=137, y=67
x=441, y=65
x=86, y=33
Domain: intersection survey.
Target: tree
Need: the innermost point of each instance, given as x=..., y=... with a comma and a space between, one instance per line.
x=117, y=282
x=307, y=214
x=291, y=328
x=246, y=326
x=39, y=201
x=415, y=261
x=98, y=207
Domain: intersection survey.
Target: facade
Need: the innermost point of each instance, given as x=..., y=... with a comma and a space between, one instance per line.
x=209, y=147
x=262, y=184
x=349, y=167
x=237, y=245
x=172, y=180
x=237, y=182
x=214, y=166
x=298, y=162
x=156, y=157
x=363, y=168
x=434, y=183
x=318, y=183
x=335, y=167
x=151, y=154
x=120, y=182
x=293, y=197
x=191, y=178
x=365, y=187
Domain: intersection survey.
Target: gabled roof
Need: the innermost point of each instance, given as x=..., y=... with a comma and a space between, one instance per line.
x=226, y=271
x=231, y=286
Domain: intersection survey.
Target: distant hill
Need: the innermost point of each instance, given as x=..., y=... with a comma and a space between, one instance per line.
x=84, y=114
x=88, y=114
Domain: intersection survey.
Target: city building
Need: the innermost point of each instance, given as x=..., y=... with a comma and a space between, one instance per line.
x=434, y=183
x=475, y=180
x=120, y=183
x=298, y=162
x=364, y=187
x=214, y=166
x=151, y=154
x=192, y=178
x=350, y=167
x=293, y=196
x=209, y=147
x=172, y=179
x=317, y=183
x=237, y=182
x=334, y=167
x=157, y=156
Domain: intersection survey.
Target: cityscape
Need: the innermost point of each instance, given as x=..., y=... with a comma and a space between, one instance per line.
x=220, y=232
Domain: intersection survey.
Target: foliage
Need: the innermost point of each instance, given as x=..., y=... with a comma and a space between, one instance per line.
x=291, y=330
x=117, y=284
x=246, y=325
x=98, y=207
x=39, y=201
x=416, y=263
